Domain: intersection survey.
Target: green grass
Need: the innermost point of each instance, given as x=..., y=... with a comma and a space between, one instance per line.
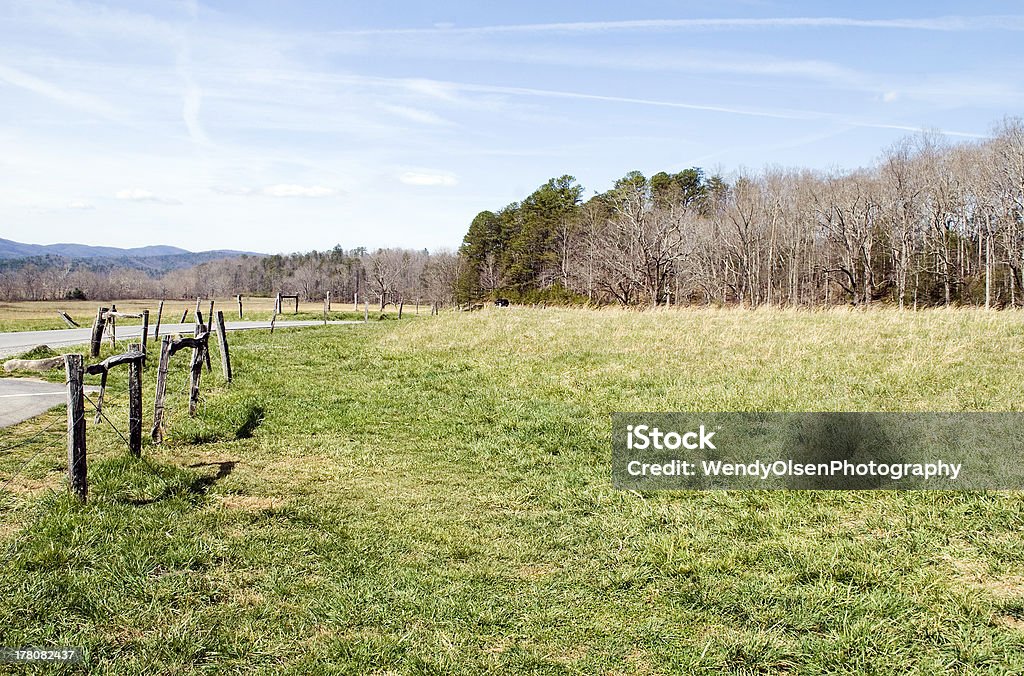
x=42, y=315
x=434, y=496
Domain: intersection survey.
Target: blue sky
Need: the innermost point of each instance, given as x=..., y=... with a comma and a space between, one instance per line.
x=286, y=126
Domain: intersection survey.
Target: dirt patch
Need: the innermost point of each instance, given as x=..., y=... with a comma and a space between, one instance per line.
x=250, y=503
x=1010, y=622
x=535, y=571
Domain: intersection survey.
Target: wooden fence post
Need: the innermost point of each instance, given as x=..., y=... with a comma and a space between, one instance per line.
x=277, y=304
x=112, y=325
x=77, y=470
x=145, y=333
x=239, y=297
x=72, y=324
x=222, y=339
x=183, y=316
x=328, y=301
x=159, y=314
x=200, y=327
x=97, y=332
x=195, y=373
x=161, y=390
x=135, y=407
x=296, y=304
x=401, y=304
x=210, y=315
x=198, y=299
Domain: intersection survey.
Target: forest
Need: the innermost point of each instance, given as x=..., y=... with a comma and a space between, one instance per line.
x=931, y=223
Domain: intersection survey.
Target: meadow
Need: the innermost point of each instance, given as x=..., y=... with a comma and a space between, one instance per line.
x=433, y=495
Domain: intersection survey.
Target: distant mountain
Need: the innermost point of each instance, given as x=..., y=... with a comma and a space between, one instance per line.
x=11, y=249
x=152, y=259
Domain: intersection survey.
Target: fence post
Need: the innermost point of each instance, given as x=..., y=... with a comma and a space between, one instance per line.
x=161, y=390
x=183, y=316
x=328, y=301
x=200, y=326
x=277, y=304
x=239, y=297
x=145, y=333
x=77, y=470
x=159, y=314
x=97, y=333
x=135, y=407
x=222, y=338
x=296, y=304
x=210, y=315
x=112, y=325
x=195, y=373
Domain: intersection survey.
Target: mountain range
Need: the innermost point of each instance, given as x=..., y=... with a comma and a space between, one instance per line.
x=157, y=258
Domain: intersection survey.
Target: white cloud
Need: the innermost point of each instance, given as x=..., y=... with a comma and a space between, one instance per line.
x=292, y=190
x=79, y=204
x=416, y=115
x=889, y=97
x=139, y=195
x=428, y=178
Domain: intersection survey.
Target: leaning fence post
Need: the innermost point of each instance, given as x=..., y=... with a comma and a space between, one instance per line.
x=200, y=326
x=159, y=314
x=195, y=373
x=135, y=407
x=183, y=315
x=97, y=332
x=145, y=333
x=222, y=338
x=210, y=313
x=76, y=426
x=161, y=389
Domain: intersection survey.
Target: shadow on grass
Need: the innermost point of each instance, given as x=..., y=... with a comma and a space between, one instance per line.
x=195, y=488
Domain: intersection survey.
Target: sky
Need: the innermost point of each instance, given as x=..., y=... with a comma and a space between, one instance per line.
x=278, y=126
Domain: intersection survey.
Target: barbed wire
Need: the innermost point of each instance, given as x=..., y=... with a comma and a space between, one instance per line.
x=23, y=442
x=35, y=455
x=104, y=416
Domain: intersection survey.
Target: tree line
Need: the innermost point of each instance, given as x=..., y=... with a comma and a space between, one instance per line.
x=931, y=223
x=384, y=277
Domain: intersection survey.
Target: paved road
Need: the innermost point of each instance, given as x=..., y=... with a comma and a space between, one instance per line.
x=23, y=398
x=17, y=342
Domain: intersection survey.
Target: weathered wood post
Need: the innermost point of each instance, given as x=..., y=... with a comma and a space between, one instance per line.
x=112, y=325
x=200, y=327
x=159, y=314
x=401, y=304
x=195, y=373
x=97, y=332
x=72, y=324
x=296, y=304
x=77, y=470
x=210, y=313
x=325, y=312
x=145, y=333
x=198, y=300
x=161, y=390
x=135, y=406
x=328, y=301
x=239, y=298
x=222, y=340
x=277, y=304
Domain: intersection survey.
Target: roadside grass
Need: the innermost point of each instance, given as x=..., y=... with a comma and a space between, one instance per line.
x=42, y=315
x=434, y=497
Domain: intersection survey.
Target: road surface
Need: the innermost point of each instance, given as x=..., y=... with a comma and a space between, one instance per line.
x=16, y=342
x=24, y=398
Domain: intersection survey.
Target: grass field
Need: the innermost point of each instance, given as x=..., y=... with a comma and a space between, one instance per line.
x=433, y=496
x=42, y=315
